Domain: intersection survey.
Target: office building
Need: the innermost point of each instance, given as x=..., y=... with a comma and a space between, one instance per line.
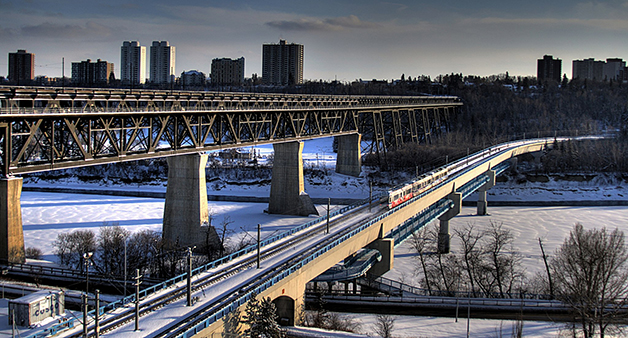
x=549, y=68
x=589, y=69
x=132, y=63
x=282, y=64
x=89, y=74
x=227, y=71
x=162, y=61
x=21, y=67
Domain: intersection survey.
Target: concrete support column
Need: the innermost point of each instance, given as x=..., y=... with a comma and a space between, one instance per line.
x=349, y=160
x=443, y=233
x=482, y=203
x=287, y=192
x=185, y=210
x=386, y=246
x=11, y=233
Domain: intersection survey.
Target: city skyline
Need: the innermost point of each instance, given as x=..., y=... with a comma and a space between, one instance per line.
x=343, y=40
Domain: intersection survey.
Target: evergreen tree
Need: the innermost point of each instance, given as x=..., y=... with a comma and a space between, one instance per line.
x=261, y=318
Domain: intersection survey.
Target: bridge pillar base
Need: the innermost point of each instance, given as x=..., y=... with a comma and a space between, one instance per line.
x=185, y=209
x=482, y=203
x=349, y=161
x=443, y=233
x=287, y=192
x=386, y=246
x=11, y=232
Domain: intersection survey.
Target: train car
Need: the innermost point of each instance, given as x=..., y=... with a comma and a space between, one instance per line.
x=415, y=188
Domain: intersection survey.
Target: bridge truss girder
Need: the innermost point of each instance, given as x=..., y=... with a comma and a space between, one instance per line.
x=31, y=143
x=386, y=130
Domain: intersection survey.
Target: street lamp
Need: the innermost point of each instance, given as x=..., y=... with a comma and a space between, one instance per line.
x=87, y=256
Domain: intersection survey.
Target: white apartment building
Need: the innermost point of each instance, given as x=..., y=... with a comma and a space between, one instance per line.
x=132, y=63
x=162, y=61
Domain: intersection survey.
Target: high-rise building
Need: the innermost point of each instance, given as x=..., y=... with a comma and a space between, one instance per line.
x=282, y=64
x=614, y=69
x=227, y=71
x=549, y=68
x=162, y=60
x=132, y=63
x=589, y=69
x=21, y=66
x=88, y=73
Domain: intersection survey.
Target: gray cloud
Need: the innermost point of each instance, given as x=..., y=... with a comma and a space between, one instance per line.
x=331, y=24
x=50, y=30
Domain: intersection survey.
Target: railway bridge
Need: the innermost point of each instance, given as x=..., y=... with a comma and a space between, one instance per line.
x=288, y=261
x=57, y=128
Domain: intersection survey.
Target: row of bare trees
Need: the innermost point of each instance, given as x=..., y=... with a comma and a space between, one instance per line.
x=145, y=250
x=486, y=263
x=589, y=272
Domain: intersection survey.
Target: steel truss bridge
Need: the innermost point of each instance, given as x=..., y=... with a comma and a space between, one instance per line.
x=45, y=128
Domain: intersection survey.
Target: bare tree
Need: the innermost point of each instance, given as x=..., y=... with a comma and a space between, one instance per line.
x=471, y=251
x=547, y=268
x=110, y=251
x=384, y=325
x=503, y=262
x=420, y=243
x=70, y=247
x=591, y=275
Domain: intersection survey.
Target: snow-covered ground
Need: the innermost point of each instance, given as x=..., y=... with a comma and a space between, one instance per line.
x=45, y=215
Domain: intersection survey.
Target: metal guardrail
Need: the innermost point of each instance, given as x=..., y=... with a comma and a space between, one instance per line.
x=382, y=281
x=452, y=301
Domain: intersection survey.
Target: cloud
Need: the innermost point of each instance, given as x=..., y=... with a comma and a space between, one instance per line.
x=608, y=24
x=50, y=30
x=331, y=24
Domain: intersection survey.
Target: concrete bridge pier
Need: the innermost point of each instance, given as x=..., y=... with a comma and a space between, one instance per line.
x=349, y=160
x=185, y=209
x=287, y=192
x=11, y=232
x=443, y=234
x=482, y=203
x=386, y=246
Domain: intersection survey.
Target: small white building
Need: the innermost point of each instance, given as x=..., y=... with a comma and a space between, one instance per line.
x=37, y=306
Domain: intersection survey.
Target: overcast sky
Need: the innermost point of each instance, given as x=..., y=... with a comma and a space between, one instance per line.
x=343, y=39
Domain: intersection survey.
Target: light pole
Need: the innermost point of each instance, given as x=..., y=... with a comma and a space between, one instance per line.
x=125, y=275
x=87, y=256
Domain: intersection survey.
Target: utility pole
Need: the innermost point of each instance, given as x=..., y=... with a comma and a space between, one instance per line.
x=328, y=202
x=137, y=299
x=189, y=288
x=259, y=237
x=370, y=194
x=84, y=303
x=97, y=319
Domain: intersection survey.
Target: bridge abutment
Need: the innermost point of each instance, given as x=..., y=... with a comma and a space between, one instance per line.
x=482, y=202
x=443, y=233
x=11, y=232
x=386, y=246
x=287, y=191
x=185, y=210
x=349, y=160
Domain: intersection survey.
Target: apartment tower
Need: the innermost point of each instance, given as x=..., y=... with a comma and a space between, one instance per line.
x=282, y=64
x=21, y=67
x=132, y=63
x=162, y=61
